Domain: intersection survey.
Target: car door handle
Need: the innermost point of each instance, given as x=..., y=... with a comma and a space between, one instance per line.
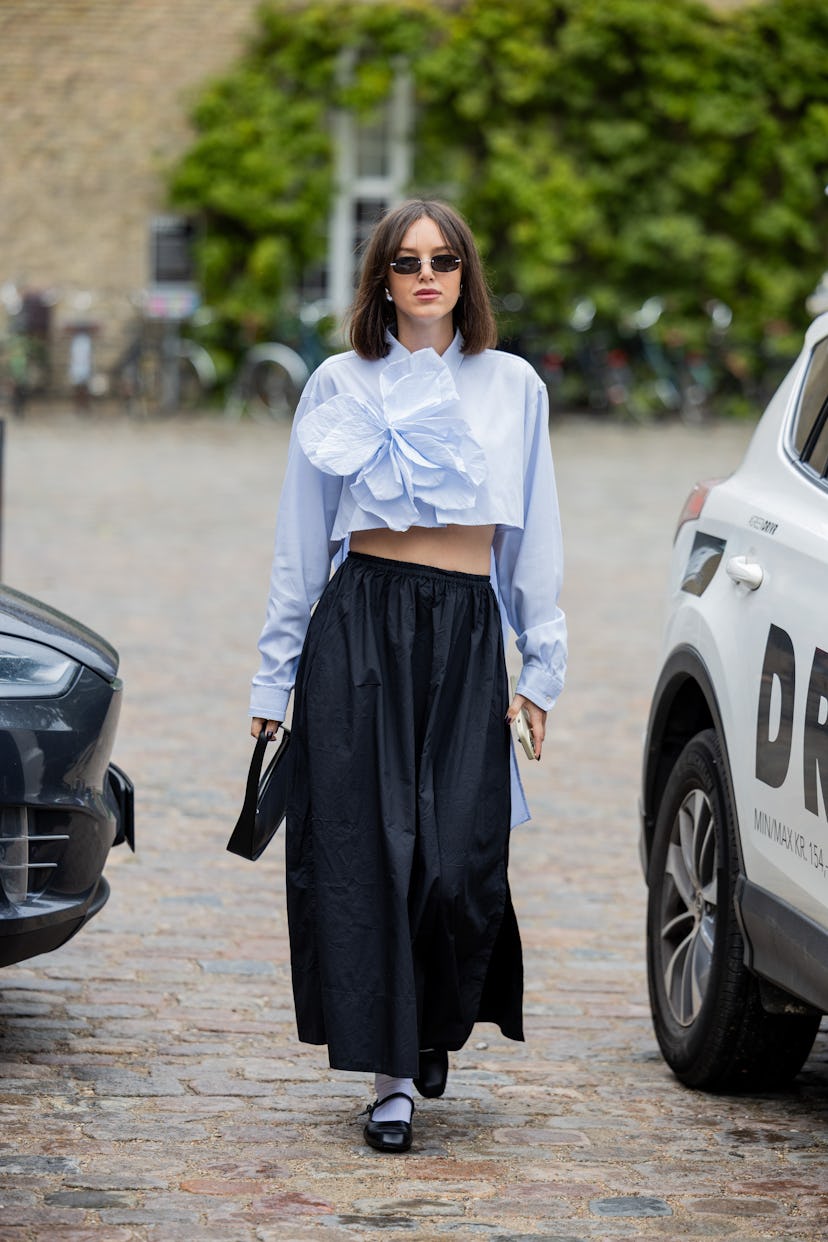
x=740, y=569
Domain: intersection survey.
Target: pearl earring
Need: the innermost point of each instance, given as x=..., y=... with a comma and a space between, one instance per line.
x=388, y=297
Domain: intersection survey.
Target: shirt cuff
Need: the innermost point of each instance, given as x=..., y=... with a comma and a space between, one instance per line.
x=539, y=688
x=269, y=704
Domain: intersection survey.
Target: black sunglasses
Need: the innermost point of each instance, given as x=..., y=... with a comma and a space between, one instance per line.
x=409, y=264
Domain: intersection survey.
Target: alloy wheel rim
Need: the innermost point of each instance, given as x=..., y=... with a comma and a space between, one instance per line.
x=689, y=907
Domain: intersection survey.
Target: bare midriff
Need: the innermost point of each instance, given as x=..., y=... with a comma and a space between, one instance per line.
x=466, y=549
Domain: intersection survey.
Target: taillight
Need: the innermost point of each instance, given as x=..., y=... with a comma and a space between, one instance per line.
x=695, y=502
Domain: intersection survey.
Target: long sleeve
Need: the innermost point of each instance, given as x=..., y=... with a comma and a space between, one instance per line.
x=529, y=565
x=301, y=565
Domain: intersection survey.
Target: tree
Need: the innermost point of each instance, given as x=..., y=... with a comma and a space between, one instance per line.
x=631, y=149
x=259, y=173
x=615, y=148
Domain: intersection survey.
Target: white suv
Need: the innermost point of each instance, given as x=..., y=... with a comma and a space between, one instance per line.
x=734, y=806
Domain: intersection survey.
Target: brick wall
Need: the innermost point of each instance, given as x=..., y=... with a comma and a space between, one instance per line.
x=93, y=104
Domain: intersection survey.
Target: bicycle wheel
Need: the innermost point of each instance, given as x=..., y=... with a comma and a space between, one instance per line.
x=191, y=390
x=273, y=389
x=197, y=375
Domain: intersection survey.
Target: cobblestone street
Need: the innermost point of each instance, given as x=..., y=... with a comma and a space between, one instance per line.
x=151, y=1085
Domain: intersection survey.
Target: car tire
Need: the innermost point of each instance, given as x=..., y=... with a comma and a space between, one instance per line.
x=709, y=1020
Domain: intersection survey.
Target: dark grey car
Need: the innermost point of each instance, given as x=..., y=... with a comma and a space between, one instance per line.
x=63, y=804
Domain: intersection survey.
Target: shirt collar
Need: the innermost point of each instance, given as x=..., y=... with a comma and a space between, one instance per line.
x=453, y=357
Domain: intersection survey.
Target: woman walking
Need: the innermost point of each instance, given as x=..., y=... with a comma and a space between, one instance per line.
x=419, y=463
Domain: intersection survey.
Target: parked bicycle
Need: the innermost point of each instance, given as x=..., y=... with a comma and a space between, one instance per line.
x=268, y=383
x=272, y=374
x=643, y=366
x=161, y=372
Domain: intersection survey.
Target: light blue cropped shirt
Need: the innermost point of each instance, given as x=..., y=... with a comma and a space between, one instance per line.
x=420, y=439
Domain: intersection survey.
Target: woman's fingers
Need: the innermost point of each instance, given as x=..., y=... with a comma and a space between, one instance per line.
x=537, y=720
x=514, y=707
x=537, y=725
x=258, y=723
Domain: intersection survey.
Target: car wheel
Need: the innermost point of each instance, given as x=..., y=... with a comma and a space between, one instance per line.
x=709, y=1021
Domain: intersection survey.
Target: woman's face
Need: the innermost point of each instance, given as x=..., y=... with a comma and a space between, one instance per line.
x=424, y=300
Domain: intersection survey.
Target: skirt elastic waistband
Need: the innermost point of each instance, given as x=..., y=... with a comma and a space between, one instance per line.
x=412, y=569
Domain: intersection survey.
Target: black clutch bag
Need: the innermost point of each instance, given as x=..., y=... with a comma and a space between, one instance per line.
x=265, y=799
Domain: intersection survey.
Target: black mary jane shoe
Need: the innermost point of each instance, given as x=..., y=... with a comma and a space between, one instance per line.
x=393, y=1136
x=431, y=1080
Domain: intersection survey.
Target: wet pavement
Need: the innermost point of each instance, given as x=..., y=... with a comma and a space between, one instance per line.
x=151, y=1085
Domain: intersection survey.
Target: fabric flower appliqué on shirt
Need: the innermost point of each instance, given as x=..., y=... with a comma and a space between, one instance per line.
x=417, y=447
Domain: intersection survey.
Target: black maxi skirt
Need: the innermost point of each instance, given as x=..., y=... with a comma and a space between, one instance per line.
x=402, y=930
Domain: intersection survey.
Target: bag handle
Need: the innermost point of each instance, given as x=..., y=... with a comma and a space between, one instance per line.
x=255, y=774
x=247, y=815
x=250, y=837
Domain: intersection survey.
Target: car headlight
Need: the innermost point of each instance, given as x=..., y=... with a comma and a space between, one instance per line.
x=30, y=670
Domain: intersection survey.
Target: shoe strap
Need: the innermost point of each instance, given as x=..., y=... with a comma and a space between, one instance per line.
x=395, y=1095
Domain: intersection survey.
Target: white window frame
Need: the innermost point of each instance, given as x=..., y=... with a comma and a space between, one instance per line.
x=388, y=190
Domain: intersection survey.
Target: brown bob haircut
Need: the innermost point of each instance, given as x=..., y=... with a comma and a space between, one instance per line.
x=372, y=314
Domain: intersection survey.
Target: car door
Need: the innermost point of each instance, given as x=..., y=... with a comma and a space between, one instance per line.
x=776, y=578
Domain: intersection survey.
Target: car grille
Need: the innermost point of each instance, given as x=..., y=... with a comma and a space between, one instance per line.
x=28, y=854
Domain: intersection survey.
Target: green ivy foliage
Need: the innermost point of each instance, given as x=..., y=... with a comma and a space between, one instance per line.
x=616, y=149
x=259, y=173
x=632, y=149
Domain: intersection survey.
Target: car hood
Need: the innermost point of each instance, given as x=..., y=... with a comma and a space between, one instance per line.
x=25, y=617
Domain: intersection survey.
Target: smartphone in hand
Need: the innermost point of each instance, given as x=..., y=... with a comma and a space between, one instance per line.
x=524, y=732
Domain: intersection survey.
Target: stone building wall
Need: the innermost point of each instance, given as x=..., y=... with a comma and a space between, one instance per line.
x=93, y=106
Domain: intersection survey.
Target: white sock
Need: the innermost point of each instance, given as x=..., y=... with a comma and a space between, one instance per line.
x=394, y=1110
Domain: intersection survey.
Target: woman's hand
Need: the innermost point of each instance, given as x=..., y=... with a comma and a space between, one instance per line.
x=269, y=726
x=537, y=720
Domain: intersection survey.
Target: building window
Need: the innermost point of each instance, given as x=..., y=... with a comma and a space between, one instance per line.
x=373, y=170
